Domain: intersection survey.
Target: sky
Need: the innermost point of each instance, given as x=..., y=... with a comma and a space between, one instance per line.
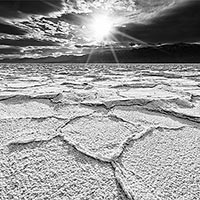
x=52, y=28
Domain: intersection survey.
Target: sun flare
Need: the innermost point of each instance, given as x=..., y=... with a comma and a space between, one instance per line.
x=101, y=31
x=101, y=27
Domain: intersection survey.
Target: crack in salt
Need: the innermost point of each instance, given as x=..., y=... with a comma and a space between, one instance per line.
x=174, y=114
x=74, y=119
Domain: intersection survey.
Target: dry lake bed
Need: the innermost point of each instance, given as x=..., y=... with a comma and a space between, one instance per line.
x=99, y=131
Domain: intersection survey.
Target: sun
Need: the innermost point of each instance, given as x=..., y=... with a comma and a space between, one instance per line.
x=101, y=30
x=101, y=27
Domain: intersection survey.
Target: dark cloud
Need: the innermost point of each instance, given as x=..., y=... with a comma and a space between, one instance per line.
x=9, y=29
x=72, y=18
x=27, y=42
x=45, y=52
x=152, y=4
x=178, y=24
x=9, y=50
x=16, y=8
x=75, y=19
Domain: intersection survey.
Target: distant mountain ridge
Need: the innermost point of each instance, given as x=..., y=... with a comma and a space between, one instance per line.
x=170, y=53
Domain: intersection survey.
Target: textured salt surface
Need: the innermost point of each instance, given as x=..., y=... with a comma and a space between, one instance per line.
x=99, y=132
x=166, y=164
x=54, y=169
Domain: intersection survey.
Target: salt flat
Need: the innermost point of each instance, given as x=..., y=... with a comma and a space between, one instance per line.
x=100, y=131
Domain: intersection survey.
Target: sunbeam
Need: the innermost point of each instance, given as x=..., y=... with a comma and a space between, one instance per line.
x=90, y=55
x=113, y=52
x=132, y=38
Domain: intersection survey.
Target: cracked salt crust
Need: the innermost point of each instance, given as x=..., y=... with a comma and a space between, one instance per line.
x=114, y=133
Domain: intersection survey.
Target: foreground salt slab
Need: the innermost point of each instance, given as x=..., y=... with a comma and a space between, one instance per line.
x=28, y=129
x=162, y=165
x=137, y=115
x=53, y=169
x=100, y=136
x=46, y=106
x=24, y=109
